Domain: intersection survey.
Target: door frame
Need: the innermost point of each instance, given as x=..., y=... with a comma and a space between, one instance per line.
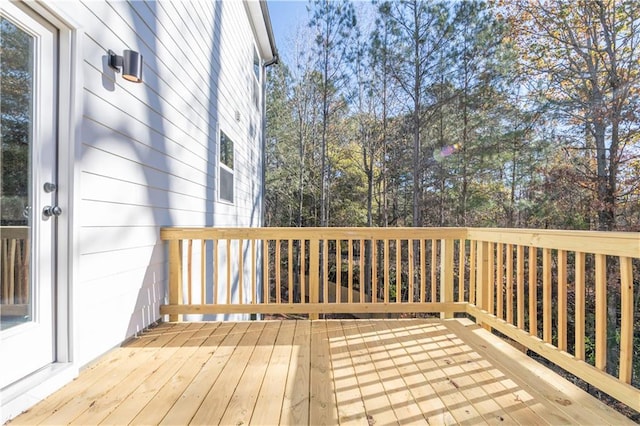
x=26, y=392
x=69, y=121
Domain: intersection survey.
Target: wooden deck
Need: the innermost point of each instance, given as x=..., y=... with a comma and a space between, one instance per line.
x=319, y=372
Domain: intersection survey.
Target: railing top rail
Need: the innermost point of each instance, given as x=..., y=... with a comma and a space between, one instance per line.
x=14, y=232
x=596, y=242
x=342, y=233
x=608, y=243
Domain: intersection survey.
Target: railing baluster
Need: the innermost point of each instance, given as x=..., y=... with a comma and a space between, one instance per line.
x=350, y=272
x=398, y=271
x=278, y=288
x=338, y=271
x=462, y=266
x=410, y=291
x=499, y=281
x=361, y=285
x=626, y=322
x=423, y=270
x=325, y=271
x=472, y=272
x=546, y=295
x=491, y=278
x=265, y=272
x=601, y=311
x=374, y=271
x=434, y=257
x=254, y=261
x=189, y=271
x=203, y=271
x=228, y=255
x=175, y=276
x=314, y=273
x=520, y=286
x=290, y=268
x=579, y=306
x=446, y=277
x=240, y=271
x=303, y=271
x=509, y=283
x=215, y=272
x=386, y=271
x=533, y=291
x=562, y=300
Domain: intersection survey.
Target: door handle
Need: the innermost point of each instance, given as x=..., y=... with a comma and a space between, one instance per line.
x=49, y=211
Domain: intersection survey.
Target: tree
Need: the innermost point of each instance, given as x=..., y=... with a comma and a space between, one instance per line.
x=585, y=58
x=15, y=121
x=333, y=22
x=418, y=31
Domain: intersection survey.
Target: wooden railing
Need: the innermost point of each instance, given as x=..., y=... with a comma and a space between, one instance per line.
x=519, y=273
x=507, y=279
x=14, y=280
x=312, y=270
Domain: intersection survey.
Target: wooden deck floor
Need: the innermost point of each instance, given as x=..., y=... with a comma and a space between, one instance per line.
x=321, y=372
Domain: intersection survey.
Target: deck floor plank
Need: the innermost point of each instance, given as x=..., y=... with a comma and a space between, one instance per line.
x=242, y=402
x=376, y=402
x=431, y=358
x=417, y=382
x=319, y=372
x=227, y=362
x=149, y=386
x=198, y=363
x=378, y=342
x=322, y=403
x=295, y=405
x=268, y=406
x=348, y=397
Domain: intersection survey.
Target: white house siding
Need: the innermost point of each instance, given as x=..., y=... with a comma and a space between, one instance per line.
x=148, y=154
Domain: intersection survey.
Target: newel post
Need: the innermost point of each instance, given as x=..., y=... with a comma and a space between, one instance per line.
x=314, y=274
x=446, y=275
x=175, y=276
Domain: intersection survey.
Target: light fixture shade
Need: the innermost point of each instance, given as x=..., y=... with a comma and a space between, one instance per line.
x=132, y=66
x=130, y=62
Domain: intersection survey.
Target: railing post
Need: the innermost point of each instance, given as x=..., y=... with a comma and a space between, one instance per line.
x=626, y=322
x=314, y=274
x=175, y=276
x=446, y=275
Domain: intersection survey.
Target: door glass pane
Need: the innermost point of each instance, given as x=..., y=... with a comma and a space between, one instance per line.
x=16, y=122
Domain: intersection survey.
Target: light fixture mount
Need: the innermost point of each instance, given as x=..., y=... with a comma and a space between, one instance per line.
x=130, y=63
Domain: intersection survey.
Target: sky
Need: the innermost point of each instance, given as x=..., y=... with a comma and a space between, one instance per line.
x=285, y=17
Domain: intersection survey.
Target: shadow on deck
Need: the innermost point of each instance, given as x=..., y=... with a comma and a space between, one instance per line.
x=319, y=372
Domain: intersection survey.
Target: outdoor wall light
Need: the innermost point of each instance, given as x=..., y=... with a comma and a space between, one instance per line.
x=130, y=62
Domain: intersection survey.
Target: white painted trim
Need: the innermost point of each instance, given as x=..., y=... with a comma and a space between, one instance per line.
x=25, y=393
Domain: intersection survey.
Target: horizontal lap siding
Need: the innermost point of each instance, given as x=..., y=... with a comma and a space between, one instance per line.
x=148, y=152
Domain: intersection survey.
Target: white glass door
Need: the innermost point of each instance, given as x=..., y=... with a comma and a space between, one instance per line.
x=28, y=193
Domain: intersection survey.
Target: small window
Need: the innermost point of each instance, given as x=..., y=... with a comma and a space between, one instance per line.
x=256, y=64
x=256, y=82
x=226, y=168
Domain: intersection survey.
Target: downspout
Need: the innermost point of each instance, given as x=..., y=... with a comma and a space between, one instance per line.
x=263, y=139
